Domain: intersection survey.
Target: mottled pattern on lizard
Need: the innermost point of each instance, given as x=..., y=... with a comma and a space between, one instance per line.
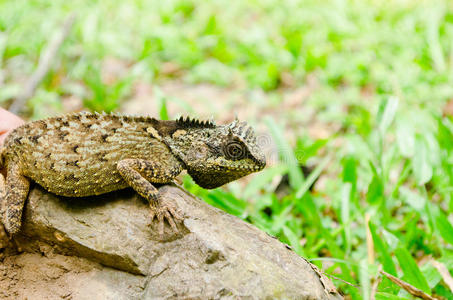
x=86, y=154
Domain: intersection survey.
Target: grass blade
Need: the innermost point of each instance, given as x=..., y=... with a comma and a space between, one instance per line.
x=387, y=113
x=412, y=273
x=364, y=279
x=345, y=209
x=312, y=177
x=421, y=165
x=286, y=155
x=444, y=227
x=381, y=247
x=161, y=102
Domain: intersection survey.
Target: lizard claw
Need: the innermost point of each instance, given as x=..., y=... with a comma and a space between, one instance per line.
x=164, y=209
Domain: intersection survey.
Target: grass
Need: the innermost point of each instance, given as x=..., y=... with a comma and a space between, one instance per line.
x=383, y=175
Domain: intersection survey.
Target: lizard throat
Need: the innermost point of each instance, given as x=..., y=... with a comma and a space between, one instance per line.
x=213, y=179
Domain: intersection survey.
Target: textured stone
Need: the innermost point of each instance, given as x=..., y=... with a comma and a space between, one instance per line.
x=215, y=255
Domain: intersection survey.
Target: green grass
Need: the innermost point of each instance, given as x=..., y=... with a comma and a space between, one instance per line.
x=383, y=73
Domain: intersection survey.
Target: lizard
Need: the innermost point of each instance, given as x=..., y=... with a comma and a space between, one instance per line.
x=85, y=154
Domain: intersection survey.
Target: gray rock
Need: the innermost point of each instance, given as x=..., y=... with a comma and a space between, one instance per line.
x=214, y=256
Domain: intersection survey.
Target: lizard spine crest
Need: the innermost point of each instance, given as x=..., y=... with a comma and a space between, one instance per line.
x=194, y=123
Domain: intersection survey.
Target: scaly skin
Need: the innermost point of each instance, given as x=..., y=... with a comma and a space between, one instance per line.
x=86, y=154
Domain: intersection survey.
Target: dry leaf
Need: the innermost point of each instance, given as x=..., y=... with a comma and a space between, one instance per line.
x=408, y=287
x=446, y=276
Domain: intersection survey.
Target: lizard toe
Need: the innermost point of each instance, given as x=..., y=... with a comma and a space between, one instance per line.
x=166, y=210
x=170, y=220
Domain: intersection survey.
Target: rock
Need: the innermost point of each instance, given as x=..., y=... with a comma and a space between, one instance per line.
x=34, y=276
x=105, y=248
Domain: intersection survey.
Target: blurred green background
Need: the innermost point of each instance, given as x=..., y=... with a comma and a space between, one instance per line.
x=358, y=93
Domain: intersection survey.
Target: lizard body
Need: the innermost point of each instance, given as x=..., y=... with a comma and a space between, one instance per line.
x=84, y=154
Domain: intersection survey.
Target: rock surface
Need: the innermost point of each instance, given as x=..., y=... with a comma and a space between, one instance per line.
x=104, y=248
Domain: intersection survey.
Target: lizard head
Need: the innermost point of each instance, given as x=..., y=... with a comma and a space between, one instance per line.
x=216, y=154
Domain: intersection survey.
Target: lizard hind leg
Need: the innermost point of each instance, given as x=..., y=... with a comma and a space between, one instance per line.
x=134, y=172
x=15, y=194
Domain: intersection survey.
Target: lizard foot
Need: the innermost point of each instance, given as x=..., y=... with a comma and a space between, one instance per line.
x=165, y=209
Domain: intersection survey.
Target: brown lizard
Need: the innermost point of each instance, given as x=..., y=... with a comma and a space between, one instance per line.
x=86, y=154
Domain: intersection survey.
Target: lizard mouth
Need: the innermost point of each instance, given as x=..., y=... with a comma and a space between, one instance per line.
x=247, y=169
x=250, y=164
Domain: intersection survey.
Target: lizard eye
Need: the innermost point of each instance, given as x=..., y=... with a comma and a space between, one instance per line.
x=234, y=150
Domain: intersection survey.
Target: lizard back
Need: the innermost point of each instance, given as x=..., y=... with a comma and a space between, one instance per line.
x=76, y=154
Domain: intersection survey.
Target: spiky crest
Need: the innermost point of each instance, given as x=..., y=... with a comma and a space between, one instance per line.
x=194, y=123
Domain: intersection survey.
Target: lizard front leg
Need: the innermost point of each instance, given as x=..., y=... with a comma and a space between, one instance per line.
x=15, y=193
x=139, y=174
